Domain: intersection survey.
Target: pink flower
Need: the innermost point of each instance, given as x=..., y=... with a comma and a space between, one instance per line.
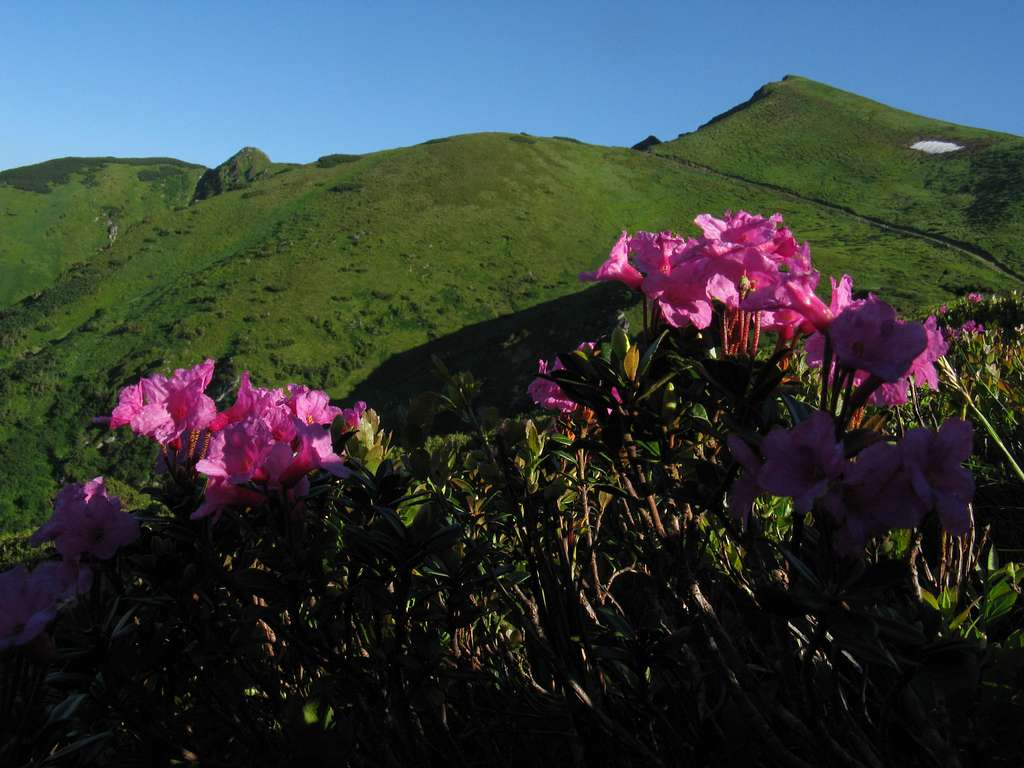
x=250, y=401
x=28, y=602
x=742, y=230
x=975, y=298
x=922, y=370
x=800, y=462
x=933, y=461
x=352, y=416
x=657, y=252
x=873, y=497
x=163, y=409
x=221, y=493
x=868, y=337
x=286, y=463
x=794, y=293
x=236, y=452
x=87, y=521
x=969, y=328
x=944, y=309
x=617, y=266
x=547, y=394
x=311, y=405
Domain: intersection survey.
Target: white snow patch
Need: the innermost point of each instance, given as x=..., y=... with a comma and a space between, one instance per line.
x=936, y=147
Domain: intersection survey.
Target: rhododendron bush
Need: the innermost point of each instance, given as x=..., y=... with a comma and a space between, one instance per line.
x=723, y=543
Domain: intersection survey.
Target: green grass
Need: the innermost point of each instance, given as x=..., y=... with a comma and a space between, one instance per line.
x=348, y=275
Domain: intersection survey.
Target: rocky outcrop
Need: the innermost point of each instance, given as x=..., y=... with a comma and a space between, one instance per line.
x=237, y=172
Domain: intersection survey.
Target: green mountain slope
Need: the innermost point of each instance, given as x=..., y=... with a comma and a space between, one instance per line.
x=348, y=273
x=61, y=212
x=830, y=145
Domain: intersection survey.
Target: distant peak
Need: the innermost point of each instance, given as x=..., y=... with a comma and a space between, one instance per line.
x=237, y=172
x=646, y=144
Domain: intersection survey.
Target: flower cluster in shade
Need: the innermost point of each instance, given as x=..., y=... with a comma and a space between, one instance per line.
x=86, y=524
x=546, y=393
x=267, y=442
x=869, y=340
x=885, y=486
x=736, y=255
x=967, y=328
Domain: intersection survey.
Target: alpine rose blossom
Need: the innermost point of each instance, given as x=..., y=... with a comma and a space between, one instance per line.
x=164, y=408
x=617, y=267
x=800, y=462
x=86, y=520
x=869, y=337
x=933, y=461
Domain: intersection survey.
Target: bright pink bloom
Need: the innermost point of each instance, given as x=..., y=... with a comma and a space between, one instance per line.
x=868, y=337
x=311, y=406
x=657, y=252
x=163, y=409
x=87, y=521
x=617, y=266
x=285, y=463
x=933, y=461
x=236, y=452
x=352, y=416
x=250, y=401
x=547, y=394
x=741, y=229
x=794, y=293
x=28, y=602
x=800, y=462
x=975, y=298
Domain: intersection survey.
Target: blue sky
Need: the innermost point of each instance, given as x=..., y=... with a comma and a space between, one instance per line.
x=198, y=80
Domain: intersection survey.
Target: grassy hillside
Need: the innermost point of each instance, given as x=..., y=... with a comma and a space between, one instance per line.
x=57, y=213
x=348, y=273
x=830, y=145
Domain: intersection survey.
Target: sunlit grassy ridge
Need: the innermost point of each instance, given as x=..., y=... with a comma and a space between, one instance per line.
x=835, y=146
x=347, y=273
x=55, y=214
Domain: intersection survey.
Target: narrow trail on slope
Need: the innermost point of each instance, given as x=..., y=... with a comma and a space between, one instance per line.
x=969, y=249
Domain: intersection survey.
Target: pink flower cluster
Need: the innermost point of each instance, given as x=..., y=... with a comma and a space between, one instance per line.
x=269, y=440
x=968, y=328
x=886, y=486
x=975, y=297
x=868, y=339
x=736, y=255
x=86, y=523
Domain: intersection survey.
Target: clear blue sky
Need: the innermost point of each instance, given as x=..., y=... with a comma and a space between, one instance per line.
x=198, y=80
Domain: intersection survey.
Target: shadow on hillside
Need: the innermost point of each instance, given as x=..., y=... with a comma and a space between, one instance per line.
x=501, y=353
